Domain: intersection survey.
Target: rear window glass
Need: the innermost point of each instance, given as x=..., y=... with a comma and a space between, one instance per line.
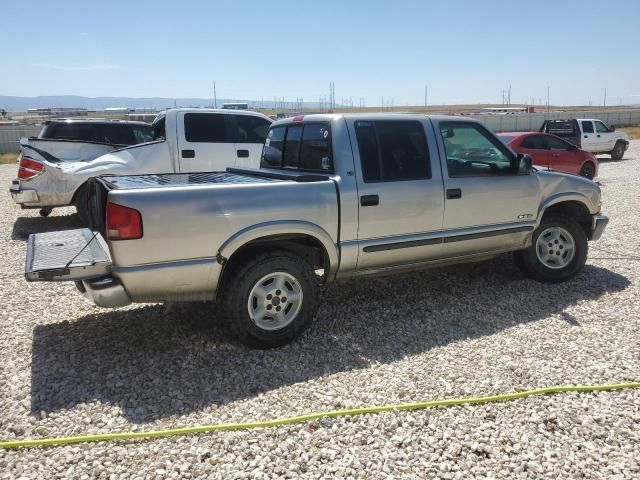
x=205, y=128
x=393, y=151
x=303, y=146
x=143, y=133
x=587, y=127
x=69, y=131
x=506, y=138
x=560, y=127
x=116, y=134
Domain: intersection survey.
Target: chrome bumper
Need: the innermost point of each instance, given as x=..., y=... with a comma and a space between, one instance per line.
x=598, y=225
x=105, y=292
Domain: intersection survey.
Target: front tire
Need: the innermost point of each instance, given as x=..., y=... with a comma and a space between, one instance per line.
x=588, y=170
x=81, y=202
x=269, y=299
x=618, y=151
x=557, y=253
x=45, y=212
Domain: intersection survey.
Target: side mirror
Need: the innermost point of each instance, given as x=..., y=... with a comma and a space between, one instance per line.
x=525, y=164
x=612, y=128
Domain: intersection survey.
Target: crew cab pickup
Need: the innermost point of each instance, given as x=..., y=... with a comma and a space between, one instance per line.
x=183, y=140
x=344, y=195
x=589, y=134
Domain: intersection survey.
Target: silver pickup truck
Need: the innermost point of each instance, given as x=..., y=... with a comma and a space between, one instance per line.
x=335, y=197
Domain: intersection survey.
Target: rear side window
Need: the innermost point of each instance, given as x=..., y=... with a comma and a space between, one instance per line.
x=115, y=134
x=143, y=133
x=560, y=127
x=535, y=142
x=70, y=131
x=303, y=146
x=205, y=128
x=392, y=151
x=587, y=127
x=251, y=129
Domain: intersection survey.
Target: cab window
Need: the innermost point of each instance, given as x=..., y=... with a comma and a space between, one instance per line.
x=299, y=146
x=534, y=142
x=601, y=127
x=472, y=151
x=392, y=151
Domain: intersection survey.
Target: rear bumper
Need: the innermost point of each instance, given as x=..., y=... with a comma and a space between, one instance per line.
x=598, y=225
x=21, y=196
x=105, y=292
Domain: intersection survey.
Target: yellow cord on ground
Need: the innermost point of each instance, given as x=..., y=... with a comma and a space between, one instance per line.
x=43, y=442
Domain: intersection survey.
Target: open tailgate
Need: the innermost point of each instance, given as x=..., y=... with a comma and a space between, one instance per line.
x=67, y=255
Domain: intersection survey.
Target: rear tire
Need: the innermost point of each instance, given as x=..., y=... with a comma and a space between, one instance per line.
x=588, y=170
x=557, y=253
x=268, y=299
x=618, y=151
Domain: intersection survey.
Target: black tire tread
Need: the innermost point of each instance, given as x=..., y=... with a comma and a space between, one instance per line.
x=528, y=262
x=232, y=292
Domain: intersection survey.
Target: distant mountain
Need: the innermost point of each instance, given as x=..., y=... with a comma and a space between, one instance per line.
x=22, y=104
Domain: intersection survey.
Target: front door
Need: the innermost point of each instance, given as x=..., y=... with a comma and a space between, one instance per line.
x=399, y=193
x=605, y=138
x=564, y=156
x=589, y=140
x=489, y=207
x=205, y=142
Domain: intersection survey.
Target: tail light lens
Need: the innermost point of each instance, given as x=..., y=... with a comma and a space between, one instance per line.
x=123, y=223
x=29, y=168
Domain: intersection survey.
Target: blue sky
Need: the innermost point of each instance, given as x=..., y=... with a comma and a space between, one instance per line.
x=466, y=51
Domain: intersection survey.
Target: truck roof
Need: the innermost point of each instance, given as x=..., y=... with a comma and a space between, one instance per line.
x=215, y=110
x=326, y=117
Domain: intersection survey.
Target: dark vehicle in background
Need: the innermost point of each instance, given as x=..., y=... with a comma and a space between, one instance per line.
x=552, y=152
x=589, y=134
x=113, y=132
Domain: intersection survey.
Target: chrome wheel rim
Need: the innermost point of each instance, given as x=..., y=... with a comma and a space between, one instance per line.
x=555, y=248
x=275, y=301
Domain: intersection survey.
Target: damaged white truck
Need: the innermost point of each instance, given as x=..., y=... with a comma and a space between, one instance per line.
x=184, y=140
x=345, y=195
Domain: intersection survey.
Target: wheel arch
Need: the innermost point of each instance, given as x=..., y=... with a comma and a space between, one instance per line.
x=572, y=208
x=303, y=238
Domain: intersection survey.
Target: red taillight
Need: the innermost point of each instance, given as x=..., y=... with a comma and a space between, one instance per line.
x=29, y=168
x=123, y=223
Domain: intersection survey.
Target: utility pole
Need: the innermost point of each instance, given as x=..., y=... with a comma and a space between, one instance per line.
x=426, y=94
x=215, y=98
x=548, y=102
x=604, y=102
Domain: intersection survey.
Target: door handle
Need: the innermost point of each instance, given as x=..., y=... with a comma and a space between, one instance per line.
x=453, y=193
x=598, y=136
x=188, y=154
x=243, y=153
x=586, y=136
x=369, y=200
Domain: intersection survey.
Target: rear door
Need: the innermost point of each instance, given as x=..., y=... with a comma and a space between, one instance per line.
x=489, y=207
x=206, y=142
x=589, y=140
x=399, y=192
x=250, y=134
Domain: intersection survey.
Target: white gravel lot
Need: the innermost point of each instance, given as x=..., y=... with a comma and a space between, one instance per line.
x=71, y=368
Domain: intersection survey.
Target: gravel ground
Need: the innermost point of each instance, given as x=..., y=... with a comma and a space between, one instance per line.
x=71, y=368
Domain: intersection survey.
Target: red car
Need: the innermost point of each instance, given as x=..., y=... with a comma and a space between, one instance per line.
x=553, y=152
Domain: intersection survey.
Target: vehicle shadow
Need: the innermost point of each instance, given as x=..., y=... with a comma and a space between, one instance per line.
x=155, y=361
x=608, y=159
x=24, y=226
